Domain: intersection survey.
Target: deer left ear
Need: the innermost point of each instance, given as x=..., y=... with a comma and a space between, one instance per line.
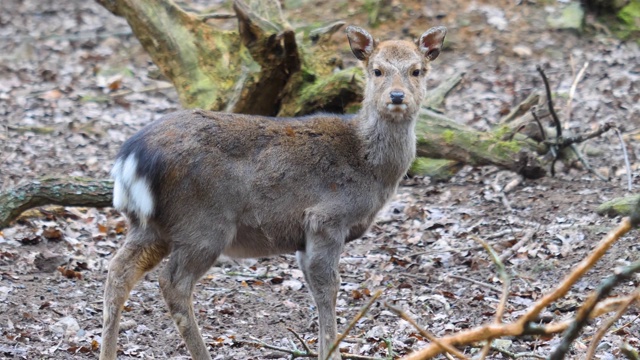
x=430, y=42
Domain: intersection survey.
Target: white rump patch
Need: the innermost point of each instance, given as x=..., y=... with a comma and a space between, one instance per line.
x=131, y=193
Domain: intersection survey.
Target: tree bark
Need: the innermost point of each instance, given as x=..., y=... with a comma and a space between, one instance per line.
x=67, y=191
x=260, y=69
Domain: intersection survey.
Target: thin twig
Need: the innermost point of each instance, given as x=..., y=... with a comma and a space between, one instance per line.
x=569, y=140
x=157, y=87
x=579, y=270
x=528, y=235
x=488, y=286
x=572, y=92
x=481, y=333
x=304, y=344
x=295, y=353
x=554, y=116
x=585, y=163
x=526, y=324
x=205, y=17
x=353, y=322
x=582, y=317
x=501, y=194
x=506, y=283
x=425, y=333
x=626, y=158
x=608, y=323
x=513, y=355
x=543, y=134
x=552, y=111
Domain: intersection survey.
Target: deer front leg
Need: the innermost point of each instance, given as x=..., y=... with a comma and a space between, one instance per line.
x=319, y=263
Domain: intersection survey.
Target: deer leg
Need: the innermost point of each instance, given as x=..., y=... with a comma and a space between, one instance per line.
x=319, y=263
x=186, y=265
x=141, y=252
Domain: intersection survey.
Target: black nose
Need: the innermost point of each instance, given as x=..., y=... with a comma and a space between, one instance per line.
x=397, y=97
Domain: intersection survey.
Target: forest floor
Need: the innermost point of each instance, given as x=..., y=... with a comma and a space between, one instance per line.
x=75, y=83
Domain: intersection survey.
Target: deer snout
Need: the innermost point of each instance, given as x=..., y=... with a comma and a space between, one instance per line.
x=397, y=97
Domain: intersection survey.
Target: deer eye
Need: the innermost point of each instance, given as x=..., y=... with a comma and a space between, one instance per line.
x=377, y=72
x=416, y=72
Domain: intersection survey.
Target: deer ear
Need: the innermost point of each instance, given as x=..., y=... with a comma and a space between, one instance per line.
x=361, y=42
x=430, y=42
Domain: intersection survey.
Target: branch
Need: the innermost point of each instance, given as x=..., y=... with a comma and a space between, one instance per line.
x=506, y=283
x=572, y=90
x=563, y=142
x=526, y=324
x=403, y=315
x=552, y=111
x=442, y=138
x=626, y=159
x=609, y=322
x=582, y=317
x=521, y=108
x=528, y=235
x=435, y=97
x=66, y=191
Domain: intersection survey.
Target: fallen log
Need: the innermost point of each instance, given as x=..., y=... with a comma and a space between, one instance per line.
x=66, y=191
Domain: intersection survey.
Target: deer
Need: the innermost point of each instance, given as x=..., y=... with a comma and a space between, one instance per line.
x=196, y=184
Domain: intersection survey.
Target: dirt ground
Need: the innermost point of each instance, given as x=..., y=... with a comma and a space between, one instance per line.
x=74, y=84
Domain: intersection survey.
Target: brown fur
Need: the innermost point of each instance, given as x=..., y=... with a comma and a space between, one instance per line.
x=249, y=186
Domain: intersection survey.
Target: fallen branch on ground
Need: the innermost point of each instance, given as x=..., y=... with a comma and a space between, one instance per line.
x=67, y=191
x=527, y=325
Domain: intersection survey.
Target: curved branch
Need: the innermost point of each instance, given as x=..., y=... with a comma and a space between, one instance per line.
x=67, y=191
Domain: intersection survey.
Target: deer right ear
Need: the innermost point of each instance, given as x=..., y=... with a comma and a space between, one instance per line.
x=361, y=42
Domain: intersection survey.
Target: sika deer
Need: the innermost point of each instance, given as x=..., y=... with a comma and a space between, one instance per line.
x=197, y=184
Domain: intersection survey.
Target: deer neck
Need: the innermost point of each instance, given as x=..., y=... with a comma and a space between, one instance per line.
x=389, y=145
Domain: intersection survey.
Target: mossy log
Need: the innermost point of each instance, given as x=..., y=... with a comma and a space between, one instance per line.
x=622, y=206
x=67, y=191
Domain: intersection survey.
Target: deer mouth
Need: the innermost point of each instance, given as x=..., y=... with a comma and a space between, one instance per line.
x=397, y=107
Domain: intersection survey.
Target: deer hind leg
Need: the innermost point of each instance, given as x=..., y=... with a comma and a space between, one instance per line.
x=187, y=263
x=141, y=252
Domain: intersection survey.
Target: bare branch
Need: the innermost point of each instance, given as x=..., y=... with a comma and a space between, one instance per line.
x=528, y=235
x=526, y=323
x=572, y=91
x=585, y=163
x=550, y=102
x=582, y=317
x=626, y=158
x=609, y=322
x=488, y=286
x=300, y=339
x=506, y=283
x=567, y=141
x=425, y=333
